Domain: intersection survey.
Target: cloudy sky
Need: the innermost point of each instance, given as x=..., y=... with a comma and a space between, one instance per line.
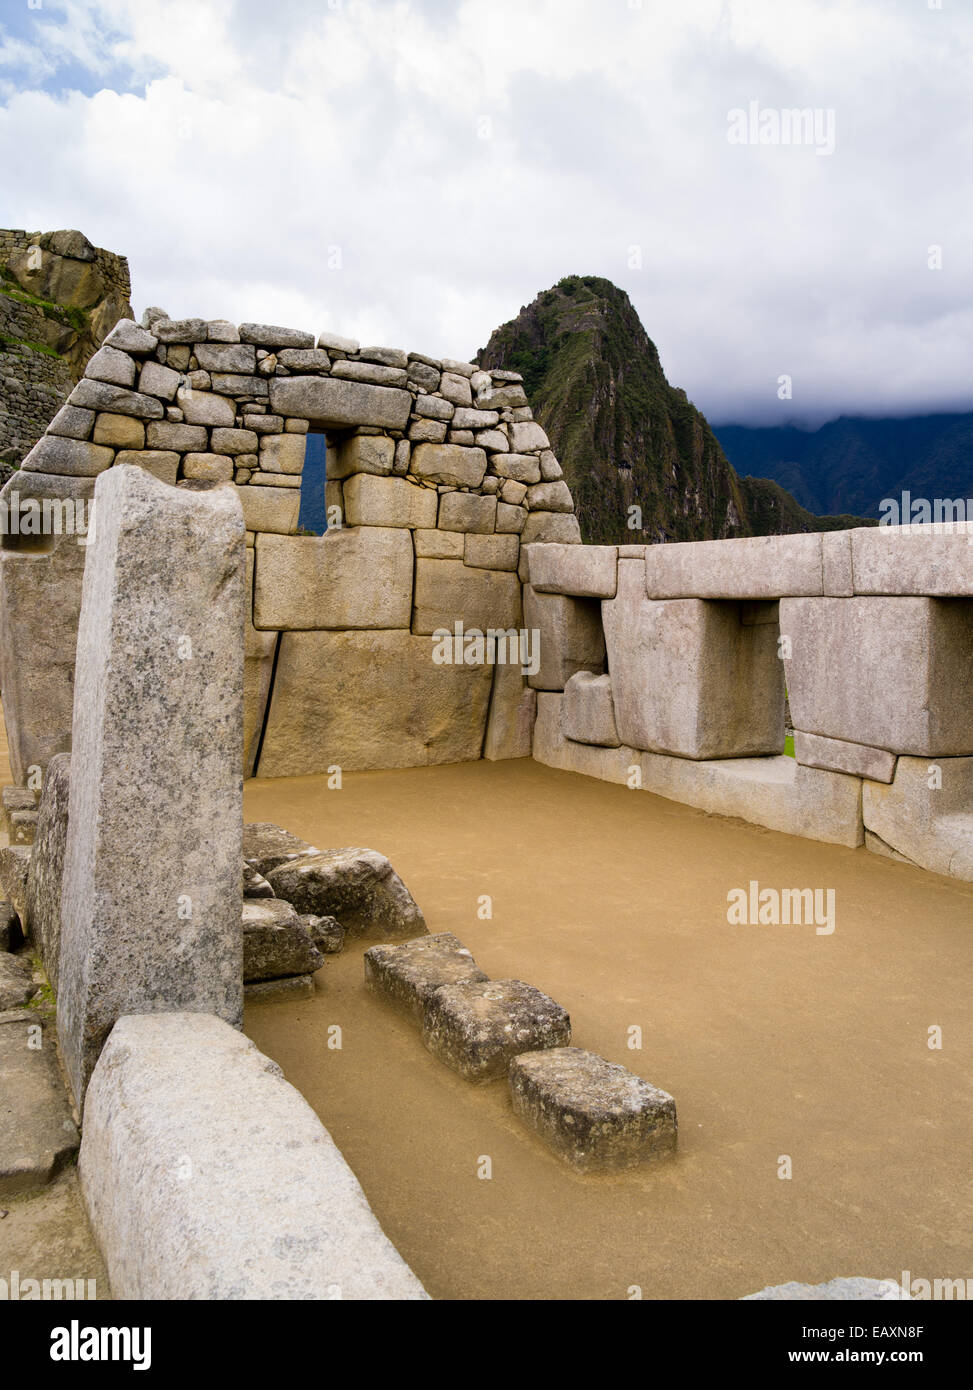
x=411, y=173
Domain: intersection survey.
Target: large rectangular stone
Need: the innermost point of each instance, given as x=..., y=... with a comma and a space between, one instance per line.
x=477, y=1028
x=689, y=677
x=569, y=637
x=925, y=816
x=273, y=509
x=374, y=501
x=835, y=755
x=362, y=453
x=620, y=765
x=74, y=457
x=513, y=706
x=325, y=401
x=152, y=885
x=893, y=673
x=588, y=713
x=416, y=712
x=259, y=650
x=207, y=1176
x=921, y=560
x=357, y=577
x=584, y=571
x=765, y=567
x=456, y=465
x=42, y=915
x=37, y=1133
x=448, y=591
x=407, y=975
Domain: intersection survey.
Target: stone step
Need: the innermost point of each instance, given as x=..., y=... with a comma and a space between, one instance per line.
x=37, y=1132
x=595, y=1115
x=408, y=975
x=478, y=1028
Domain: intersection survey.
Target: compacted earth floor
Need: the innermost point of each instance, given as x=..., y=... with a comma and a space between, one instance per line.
x=788, y=1051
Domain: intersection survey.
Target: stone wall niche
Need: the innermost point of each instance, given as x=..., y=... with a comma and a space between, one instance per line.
x=695, y=678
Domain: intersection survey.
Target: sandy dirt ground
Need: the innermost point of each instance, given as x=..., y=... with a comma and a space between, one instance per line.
x=774, y=1040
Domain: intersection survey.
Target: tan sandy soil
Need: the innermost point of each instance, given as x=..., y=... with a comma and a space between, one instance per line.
x=774, y=1041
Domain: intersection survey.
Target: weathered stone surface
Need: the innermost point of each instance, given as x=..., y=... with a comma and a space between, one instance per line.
x=519, y=468
x=417, y=713
x=362, y=453
x=837, y=578
x=751, y=567
x=74, y=457
x=493, y=440
x=23, y=824
x=108, y=364
x=374, y=501
x=212, y=468
x=234, y=441
x=151, y=888
x=325, y=401
x=502, y=398
x=409, y=974
x=904, y=677
x=456, y=388
x=270, y=508
x=283, y=453
x=621, y=765
x=37, y=1133
x=777, y=793
x=449, y=463
x=180, y=330
x=276, y=942
x=358, y=887
x=688, y=677
x=449, y=590
x=129, y=337
x=511, y=519
x=14, y=866
x=926, y=815
x=42, y=914
x=163, y=434
x=119, y=431
x=510, y=724
x=584, y=571
x=268, y=335
x=433, y=432
x=259, y=649
x=267, y=846
x=551, y=528
x=588, y=713
x=527, y=436
x=227, y=357
x=284, y=990
x=491, y=552
x=206, y=408
x=304, y=359
x=434, y=408
x=466, y=511
x=845, y=1289
x=327, y=933
x=376, y=373
x=569, y=639
x=352, y=577
x=161, y=463
x=595, y=1115
x=100, y=395
x=254, y=884
x=931, y=560
x=38, y=636
x=336, y=343
x=271, y=1210
x=156, y=380
x=72, y=422
x=550, y=497
x=478, y=1028
x=834, y=755
x=16, y=983
x=439, y=545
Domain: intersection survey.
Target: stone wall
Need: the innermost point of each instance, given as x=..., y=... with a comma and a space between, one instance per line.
x=437, y=478
x=59, y=296
x=664, y=668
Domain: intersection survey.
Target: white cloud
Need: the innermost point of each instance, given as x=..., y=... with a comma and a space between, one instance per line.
x=457, y=159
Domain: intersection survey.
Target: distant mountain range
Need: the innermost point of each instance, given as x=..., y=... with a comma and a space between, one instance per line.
x=633, y=448
x=851, y=465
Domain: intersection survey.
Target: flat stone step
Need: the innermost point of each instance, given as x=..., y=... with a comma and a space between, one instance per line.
x=595, y=1115
x=478, y=1028
x=37, y=1132
x=408, y=975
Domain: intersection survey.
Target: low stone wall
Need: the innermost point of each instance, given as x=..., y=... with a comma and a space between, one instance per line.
x=207, y=1176
x=871, y=632
x=437, y=477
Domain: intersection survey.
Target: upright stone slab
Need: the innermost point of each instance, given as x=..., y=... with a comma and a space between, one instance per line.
x=152, y=893
x=42, y=917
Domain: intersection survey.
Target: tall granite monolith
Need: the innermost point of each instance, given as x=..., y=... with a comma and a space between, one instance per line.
x=152, y=894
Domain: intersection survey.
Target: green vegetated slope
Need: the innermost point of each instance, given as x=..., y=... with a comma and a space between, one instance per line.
x=626, y=438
